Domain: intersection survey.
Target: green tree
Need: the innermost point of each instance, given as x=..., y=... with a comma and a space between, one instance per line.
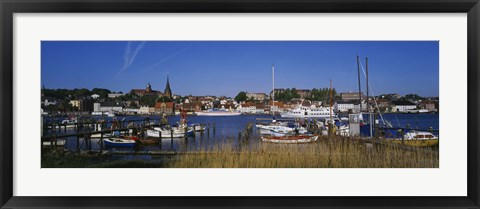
x=241, y=97
x=412, y=97
x=148, y=100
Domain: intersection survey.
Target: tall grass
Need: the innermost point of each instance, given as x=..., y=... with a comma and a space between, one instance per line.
x=326, y=153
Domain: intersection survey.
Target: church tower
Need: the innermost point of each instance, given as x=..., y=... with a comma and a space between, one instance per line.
x=149, y=88
x=168, y=91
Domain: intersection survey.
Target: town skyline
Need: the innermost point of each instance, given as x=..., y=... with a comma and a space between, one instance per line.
x=406, y=67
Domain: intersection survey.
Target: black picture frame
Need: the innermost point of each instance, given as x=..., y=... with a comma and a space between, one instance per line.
x=10, y=7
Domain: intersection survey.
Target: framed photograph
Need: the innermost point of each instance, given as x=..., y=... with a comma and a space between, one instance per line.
x=190, y=104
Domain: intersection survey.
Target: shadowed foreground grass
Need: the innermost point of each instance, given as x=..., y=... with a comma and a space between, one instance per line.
x=341, y=153
x=334, y=153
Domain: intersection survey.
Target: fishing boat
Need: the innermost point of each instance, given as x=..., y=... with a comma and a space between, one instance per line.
x=219, y=113
x=119, y=142
x=290, y=139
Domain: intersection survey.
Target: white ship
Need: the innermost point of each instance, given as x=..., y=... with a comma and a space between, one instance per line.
x=219, y=113
x=306, y=112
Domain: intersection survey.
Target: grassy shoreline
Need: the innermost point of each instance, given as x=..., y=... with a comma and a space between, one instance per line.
x=326, y=153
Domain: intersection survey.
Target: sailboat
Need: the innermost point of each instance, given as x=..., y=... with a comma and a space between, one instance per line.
x=281, y=132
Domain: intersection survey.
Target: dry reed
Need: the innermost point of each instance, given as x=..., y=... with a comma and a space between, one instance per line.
x=325, y=153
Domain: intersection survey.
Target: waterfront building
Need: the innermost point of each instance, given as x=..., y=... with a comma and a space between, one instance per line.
x=131, y=111
x=109, y=106
x=343, y=106
x=402, y=106
x=428, y=105
x=192, y=106
x=276, y=107
x=164, y=107
x=247, y=107
x=145, y=110
x=351, y=96
x=257, y=96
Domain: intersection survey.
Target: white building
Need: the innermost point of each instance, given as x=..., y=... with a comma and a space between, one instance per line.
x=131, y=110
x=145, y=110
x=343, y=106
x=96, y=107
x=114, y=95
x=107, y=107
x=75, y=103
x=248, y=108
x=95, y=96
x=402, y=106
x=47, y=102
x=356, y=108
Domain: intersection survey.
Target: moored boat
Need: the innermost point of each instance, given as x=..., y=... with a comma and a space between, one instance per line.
x=290, y=139
x=197, y=127
x=119, y=142
x=60, y=143
x=419, y=135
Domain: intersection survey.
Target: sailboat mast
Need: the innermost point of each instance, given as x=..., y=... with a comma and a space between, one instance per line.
x=359, y=88
x=366, y=66
x=273, y=89
x=331, y=92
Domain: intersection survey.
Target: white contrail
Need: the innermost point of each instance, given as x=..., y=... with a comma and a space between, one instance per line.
x=129, y=57
x=166, y=58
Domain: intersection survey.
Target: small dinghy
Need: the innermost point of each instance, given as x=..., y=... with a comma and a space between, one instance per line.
x=290, y=139
x=119, y=142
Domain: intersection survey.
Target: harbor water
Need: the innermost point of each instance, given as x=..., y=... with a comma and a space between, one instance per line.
x=219, y=130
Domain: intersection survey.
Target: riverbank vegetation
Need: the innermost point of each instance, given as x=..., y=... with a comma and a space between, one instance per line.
x=326, y=153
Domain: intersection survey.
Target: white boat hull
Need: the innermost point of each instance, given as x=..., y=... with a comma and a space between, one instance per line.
x=165, y=134
x=60, y=143
x=290, y=139
x=290, y=115
x=218, y=113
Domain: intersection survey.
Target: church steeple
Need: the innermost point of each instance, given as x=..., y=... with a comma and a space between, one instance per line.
x=149, y=88
x=168, y=91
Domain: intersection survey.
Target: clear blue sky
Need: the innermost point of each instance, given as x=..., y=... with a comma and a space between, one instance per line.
x=227, y=67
